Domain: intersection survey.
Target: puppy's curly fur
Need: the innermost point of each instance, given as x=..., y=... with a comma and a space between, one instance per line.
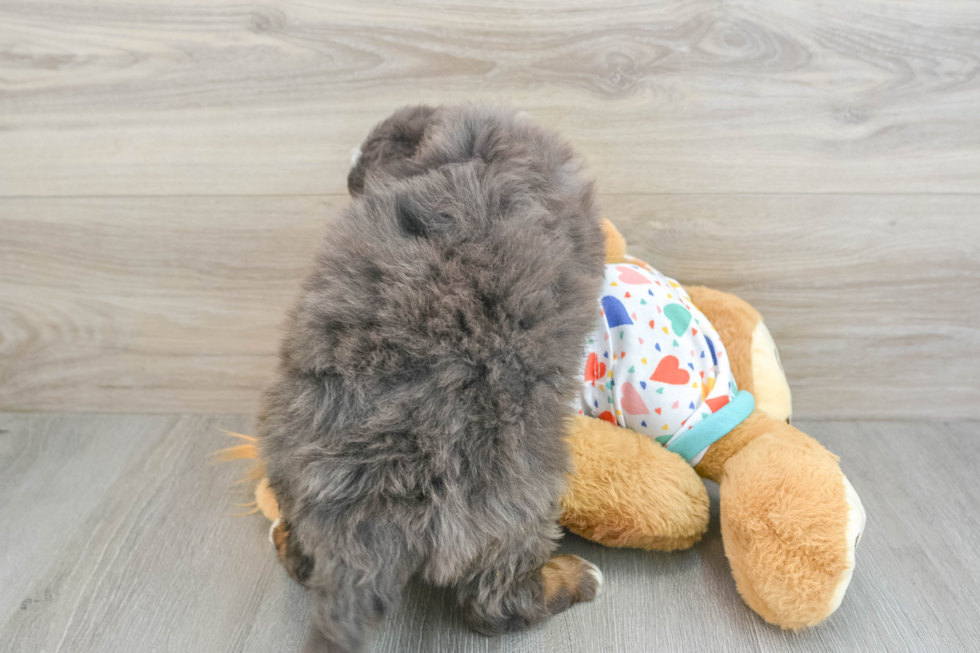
x=416, y=423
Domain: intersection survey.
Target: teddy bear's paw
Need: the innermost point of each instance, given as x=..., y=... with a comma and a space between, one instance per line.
x=856, y=519
x=790, y=522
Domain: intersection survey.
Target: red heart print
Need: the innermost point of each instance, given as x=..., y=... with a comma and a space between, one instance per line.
x=716, y=403
x=669, y=371
x=594, y=370
x=627, y=295
x=694, y=331
x=651, y=324
x=608, y=417
x=657, y=410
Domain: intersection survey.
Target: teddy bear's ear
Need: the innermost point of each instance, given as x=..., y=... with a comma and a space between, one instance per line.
x=615, y=243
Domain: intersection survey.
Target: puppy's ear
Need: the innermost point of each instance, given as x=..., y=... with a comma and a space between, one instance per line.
x=355, y=178
x=390, y=146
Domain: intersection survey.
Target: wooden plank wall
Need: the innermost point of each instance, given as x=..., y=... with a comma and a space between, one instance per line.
x=166, y=171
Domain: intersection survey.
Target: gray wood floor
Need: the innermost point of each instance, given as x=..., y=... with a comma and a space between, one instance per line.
x=119, y=537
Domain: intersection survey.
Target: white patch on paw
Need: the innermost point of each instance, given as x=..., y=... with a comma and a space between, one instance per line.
x=355, y=156
x=272, y=529
x=856, y=519
x=596, y=573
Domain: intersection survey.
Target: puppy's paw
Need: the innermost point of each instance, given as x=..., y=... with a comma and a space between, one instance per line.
x=297, y=563
x=279, y=536
x=568, y=579
x=596, y=574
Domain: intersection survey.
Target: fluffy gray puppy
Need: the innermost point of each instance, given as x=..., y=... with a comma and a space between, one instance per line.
x=417, y=419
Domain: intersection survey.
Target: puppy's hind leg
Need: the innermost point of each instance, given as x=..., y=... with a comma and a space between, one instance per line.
x=523, y=587
x=347, y=604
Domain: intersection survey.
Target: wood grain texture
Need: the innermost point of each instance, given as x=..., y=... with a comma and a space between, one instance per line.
x=121, y=539
x=162, y=304
x=174, y=304
x=219, y=97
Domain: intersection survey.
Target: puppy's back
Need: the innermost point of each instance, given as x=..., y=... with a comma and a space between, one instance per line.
x=418, y=415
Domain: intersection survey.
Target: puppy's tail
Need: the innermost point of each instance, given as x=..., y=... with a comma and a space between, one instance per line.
x=348, y=605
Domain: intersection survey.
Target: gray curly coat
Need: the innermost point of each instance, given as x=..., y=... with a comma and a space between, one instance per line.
x=416, y=422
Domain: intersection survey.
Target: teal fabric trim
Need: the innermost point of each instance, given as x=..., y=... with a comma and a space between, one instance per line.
x=713, y=427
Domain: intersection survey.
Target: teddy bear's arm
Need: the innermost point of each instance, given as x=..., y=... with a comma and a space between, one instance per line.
x=628, y=491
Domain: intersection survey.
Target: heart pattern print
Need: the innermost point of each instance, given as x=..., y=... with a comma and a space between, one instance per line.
x=653, y=363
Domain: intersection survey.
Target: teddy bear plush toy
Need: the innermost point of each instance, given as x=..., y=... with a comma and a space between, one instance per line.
x=680, y=385
x=694, y=377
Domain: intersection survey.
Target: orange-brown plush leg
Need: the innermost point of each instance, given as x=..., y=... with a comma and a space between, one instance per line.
x=628, y=491
x=790, y=521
